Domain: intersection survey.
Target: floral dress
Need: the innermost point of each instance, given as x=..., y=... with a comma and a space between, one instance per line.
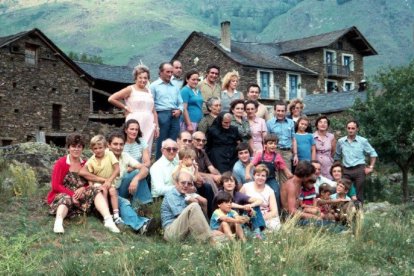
x=73, y=181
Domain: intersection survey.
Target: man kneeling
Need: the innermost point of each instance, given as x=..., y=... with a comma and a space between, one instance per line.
x=181, y=217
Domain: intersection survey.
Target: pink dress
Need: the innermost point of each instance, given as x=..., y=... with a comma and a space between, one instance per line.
x=323, y=152
x=257, y=128
x=141, y=105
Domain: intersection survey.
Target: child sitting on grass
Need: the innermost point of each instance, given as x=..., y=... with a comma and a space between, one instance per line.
x=104, y=165
x=188, y=164
x=307, y=200
x=244, y=204
x=327, y=212
x=225, y=220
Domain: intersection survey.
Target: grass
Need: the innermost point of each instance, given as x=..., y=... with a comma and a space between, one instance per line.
x=385, y=245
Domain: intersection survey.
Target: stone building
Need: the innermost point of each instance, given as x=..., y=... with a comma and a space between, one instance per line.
x=328, y=62
x=44, y=95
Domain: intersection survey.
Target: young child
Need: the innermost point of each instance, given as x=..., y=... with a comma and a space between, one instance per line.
x=239, y=168
x=340, y=200
x=323, y=202
x=225, y=220
x=188, y=164
x=307, y=200
x=105, y=166
x=244, y=204
x=304, y=140
x=273, y=161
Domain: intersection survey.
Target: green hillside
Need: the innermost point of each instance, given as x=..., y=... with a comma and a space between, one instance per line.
x=125, y=31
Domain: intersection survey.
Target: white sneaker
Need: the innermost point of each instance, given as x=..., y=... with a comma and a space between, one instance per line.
x=118, y=220
x=110, y=224
x=58, y=228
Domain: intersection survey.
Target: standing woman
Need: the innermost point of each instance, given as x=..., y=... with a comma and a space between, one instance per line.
x=229, y=93
x=70, y=194
x=325, y=145
x=214, y=108
x=238, y=120
x=139, y=104
x=192, y=102
x=136, y=146
x=258, y=126
x=222, y=139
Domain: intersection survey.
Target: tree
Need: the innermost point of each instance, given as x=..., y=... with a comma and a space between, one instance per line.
x=386, y=118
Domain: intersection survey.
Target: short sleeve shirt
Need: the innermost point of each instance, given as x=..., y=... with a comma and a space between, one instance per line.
x=217, y=214
x=102, y=167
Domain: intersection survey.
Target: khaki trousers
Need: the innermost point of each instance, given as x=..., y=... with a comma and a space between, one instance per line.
x=287, y=157
x=190, y=221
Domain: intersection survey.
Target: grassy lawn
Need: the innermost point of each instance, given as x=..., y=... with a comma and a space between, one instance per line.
x=28, y=246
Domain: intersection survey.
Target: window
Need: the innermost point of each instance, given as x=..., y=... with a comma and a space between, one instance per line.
x=348, y=86
x=348, y=61
x=6, y=142
x=331, y=86
x=330, y=62
x=30, y=54
x=265, y=81
x=293, y=86
x=56, y=116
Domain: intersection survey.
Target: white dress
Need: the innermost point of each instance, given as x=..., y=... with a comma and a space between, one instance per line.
x=273, y=223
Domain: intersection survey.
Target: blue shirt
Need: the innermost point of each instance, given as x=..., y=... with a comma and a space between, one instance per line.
x=353, y=153
x=239, y=172
x=166, y=96
x=304, y=143
x=217, y=214
x=177, y=82
x=284, y=130
x=172, y=206
x=194, y=103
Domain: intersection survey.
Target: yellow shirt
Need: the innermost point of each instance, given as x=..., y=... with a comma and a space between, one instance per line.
x=102, y=167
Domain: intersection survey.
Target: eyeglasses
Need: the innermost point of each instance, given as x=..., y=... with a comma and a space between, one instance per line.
x=198, y=140
x=187, y=183
x=187, y=141
x=171, y=149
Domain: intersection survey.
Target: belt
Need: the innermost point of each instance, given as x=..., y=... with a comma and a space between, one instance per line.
x=355, y=167
x=284, y=149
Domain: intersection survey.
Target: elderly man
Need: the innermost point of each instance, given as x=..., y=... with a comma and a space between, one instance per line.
x=181, y=218
x=205, y=185
x=161, y=171
x=319, y=178
x=168, y=104
x=352, y=149
x=284, y=129
x=290, y=190
x=177, y=73
x=210, y=86
x=253, y=93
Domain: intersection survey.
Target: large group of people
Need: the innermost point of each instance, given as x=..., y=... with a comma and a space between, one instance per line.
x=222, y=165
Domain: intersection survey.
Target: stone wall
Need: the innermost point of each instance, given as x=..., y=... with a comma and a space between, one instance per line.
x=28, y=93
x=314, y=60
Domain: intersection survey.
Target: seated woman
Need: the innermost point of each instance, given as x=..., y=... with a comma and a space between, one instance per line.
x=136, y=146
x=336, y=173
x=259, y=189
x=70, y=194
x=222, y=139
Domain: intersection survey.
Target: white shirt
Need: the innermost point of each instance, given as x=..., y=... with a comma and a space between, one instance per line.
x=125, y=161
x=320, y=180
x=161, y=176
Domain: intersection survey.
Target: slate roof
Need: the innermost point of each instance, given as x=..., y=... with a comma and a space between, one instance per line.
x=326, y=39
x=5, y=40
x=331, y=102
x=121, y=74
x=252, y=54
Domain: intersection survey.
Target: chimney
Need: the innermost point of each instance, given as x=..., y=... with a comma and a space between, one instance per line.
x=225, y=40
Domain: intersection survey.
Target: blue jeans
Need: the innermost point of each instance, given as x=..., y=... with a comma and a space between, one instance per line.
x=169, y=128
x=258, y=221
x=274, y=184
x=129, y=216
x=143, y=193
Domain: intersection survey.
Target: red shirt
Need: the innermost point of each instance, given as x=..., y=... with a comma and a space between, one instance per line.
x=268, y=157
x=59, y=172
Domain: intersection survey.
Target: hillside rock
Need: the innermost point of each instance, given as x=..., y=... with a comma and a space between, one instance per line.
x=39, y=156
x=377, y=207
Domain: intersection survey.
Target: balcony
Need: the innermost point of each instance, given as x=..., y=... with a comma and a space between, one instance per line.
x=335, y=70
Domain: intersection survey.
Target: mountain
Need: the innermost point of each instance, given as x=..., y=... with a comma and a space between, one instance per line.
x=126, y=32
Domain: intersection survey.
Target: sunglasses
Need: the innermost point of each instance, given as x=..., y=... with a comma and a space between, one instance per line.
x=187, y=140
x=198, y=140
x=187, y=183
x=171, y=149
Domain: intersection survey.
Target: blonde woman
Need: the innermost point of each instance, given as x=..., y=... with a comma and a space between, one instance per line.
x=229, y=93
x=138, y=103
